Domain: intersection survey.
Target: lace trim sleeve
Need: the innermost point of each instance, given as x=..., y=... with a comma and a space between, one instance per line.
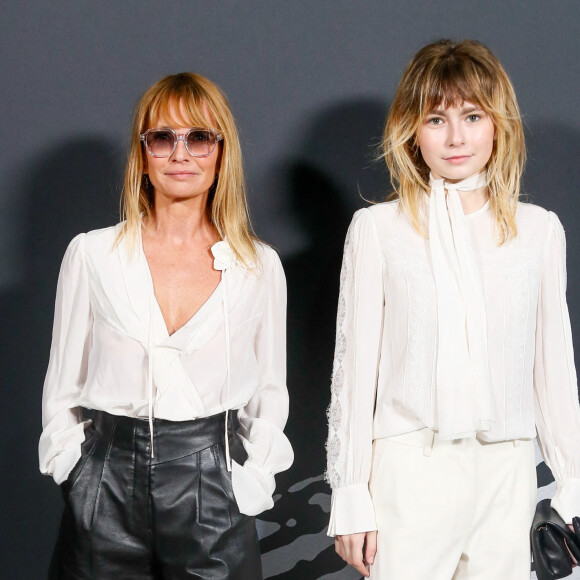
x=338, y=409
x=356, y=358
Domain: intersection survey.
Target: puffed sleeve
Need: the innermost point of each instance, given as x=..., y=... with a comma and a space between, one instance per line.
x=354, y=379
x=555, y=387
x=63, y=429
x=263, y=418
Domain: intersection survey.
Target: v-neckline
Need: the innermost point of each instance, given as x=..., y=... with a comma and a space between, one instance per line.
x=153, y=297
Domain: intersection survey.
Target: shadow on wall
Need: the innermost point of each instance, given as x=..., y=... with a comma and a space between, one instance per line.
x=323, y=187
x=68, y=190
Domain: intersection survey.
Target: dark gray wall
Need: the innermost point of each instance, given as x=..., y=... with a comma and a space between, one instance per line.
x=309, y=83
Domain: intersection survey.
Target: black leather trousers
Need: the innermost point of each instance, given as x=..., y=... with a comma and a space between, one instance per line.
x=129, y=516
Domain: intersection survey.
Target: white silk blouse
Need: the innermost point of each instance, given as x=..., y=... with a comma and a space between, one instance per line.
x=385, y=375
x=111, y=352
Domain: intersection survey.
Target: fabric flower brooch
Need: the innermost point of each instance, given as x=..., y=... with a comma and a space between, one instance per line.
x=223, y=254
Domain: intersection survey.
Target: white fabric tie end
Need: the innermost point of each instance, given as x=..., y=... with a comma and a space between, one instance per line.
x=227, y=444
x=462, y=360
x=150, y=371
x=228, y=379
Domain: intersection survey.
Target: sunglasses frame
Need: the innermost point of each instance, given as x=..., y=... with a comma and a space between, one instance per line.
x=176, y=138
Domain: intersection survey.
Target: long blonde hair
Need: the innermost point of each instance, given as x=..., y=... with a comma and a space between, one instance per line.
x=185, y=95
x=448, y=73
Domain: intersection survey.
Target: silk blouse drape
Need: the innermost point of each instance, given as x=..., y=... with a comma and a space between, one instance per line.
x=111, y=351
x=385, y=365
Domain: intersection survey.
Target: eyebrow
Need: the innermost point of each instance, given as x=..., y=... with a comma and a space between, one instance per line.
x=471, y=108
x=178, y=128
x=465, y=110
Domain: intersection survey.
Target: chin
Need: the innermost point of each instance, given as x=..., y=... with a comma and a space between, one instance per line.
x=459, y=173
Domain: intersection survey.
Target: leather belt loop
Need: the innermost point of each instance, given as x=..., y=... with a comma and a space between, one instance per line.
x=429, y=444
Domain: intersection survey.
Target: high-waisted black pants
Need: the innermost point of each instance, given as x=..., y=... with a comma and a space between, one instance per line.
x=129, y=516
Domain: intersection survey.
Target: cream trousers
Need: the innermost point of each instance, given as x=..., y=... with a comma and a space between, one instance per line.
x=452, y=510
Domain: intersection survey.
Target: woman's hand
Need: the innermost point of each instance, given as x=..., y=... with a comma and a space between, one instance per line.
x=358, y=550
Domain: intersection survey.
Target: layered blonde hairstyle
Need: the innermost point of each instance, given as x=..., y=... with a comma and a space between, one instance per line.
x=445, y=74
x=186, y=98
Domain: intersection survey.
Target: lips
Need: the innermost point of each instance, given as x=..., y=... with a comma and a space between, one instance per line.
x=457, y=158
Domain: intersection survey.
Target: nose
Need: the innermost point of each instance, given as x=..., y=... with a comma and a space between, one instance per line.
x=455, y=136
x=181, y=153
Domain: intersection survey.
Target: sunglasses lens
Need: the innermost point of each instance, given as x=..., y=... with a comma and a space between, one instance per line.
x=201, y=142
x=160, y=143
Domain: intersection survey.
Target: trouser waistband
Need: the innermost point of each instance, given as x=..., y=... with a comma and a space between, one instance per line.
x=172, y=439
x=427, y=439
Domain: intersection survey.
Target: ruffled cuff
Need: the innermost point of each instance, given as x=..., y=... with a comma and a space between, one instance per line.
x=566, y=500
x=252, y=489
x=269, y=452
x=60, y=452
x=351, y=511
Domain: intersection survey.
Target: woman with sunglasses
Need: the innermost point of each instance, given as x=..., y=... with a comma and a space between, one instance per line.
x=453, y=341
x=170, y=328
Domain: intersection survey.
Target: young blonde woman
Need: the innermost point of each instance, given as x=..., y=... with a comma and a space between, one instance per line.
x=453, y=341
x=171, y=327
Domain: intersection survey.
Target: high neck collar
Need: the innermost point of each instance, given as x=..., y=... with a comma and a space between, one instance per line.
x=472, y=183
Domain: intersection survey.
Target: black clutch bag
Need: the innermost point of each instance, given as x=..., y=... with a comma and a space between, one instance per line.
x=550, y=535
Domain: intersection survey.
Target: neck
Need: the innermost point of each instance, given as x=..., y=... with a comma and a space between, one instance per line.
x=472, y=191
x=180, y=222
x=473, y=200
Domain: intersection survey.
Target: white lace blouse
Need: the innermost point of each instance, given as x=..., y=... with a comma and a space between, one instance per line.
x=111, y=351
x=387, y=349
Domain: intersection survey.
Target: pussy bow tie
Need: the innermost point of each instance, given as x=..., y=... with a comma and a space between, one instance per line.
x=464, y=404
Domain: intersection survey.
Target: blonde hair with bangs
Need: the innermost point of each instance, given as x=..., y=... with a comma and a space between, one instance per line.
x=182, y=97
x=445, y=74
